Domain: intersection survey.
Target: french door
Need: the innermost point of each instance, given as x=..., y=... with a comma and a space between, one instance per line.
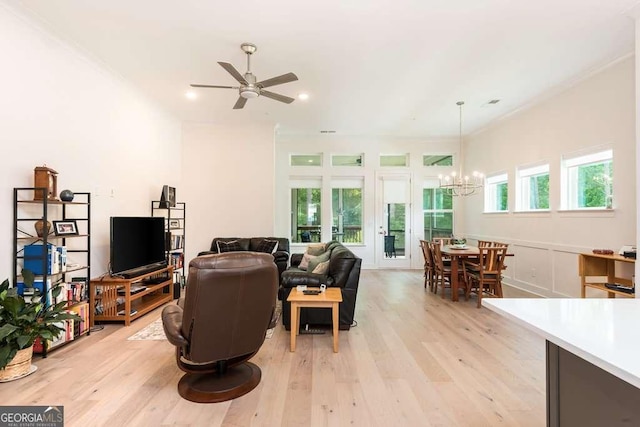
x=393, y=220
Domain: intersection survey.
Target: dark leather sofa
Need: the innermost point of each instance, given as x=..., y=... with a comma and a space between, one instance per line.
x=344, y=272
x=280, y=256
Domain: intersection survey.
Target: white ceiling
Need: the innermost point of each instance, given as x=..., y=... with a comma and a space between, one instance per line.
x=371, y=67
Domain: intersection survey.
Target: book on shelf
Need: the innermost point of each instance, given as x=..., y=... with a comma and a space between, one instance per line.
x=176, y=259
x=82, y=326
x=174, y=241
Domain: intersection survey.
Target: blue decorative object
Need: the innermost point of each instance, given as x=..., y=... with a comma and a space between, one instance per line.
x=66, y=195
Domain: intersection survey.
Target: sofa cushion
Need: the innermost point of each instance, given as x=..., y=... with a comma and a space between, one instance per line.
x=231, y=246
x=313, y=263
x=267, y=246
x=316, y=249
x=304, y=264
x=321, y=268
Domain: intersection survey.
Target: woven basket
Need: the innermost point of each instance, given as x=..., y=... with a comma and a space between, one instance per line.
x=19, y=365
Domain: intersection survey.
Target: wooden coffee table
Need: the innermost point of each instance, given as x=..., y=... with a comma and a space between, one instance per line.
x=330, y=298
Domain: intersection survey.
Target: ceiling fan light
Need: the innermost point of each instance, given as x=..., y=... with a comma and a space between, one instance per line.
x=248, y=94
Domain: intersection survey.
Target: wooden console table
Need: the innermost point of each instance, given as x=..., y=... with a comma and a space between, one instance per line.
x=597, y=265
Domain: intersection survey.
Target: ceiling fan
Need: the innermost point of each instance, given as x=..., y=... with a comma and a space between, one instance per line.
x=249, y=88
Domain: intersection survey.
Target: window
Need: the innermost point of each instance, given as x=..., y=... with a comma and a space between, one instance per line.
x=437, y=208
x=346, y=210
x=306, y=160
x=437, y=160
x=587, y=181
x=346, y=160
x=306, y=198
x=533, y=188
x=393, y=160
x=495, y=194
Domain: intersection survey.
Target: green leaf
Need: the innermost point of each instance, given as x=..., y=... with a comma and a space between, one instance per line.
x=28, y=277
x=6, y=330
x=24, y=341
x=6, y=354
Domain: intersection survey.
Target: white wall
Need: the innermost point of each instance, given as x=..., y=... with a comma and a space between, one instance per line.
x=227, y=183
x=598, y=111
x=60, y=109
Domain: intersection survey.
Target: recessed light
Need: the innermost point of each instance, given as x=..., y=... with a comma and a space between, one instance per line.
x=303, y=96
x=191, y=95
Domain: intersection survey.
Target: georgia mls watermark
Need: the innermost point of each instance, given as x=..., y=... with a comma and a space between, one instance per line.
x=31, y=416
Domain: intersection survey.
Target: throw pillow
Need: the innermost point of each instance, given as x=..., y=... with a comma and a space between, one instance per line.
x=267, y=246
x=231, y=246
x=317, y=260
x=322, y=268
x=316, y=249
x=304, y=264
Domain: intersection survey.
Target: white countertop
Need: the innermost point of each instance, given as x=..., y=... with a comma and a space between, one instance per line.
x=605, y=332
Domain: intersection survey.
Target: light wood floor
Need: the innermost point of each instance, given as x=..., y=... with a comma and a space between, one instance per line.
x=413, y=360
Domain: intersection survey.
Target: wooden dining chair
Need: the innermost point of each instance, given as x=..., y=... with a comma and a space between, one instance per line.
x=485, y=277
x=443, y=272
x=429, y=268
x=442, y=241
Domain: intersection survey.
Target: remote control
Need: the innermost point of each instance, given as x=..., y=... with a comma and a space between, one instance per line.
x=311, y=292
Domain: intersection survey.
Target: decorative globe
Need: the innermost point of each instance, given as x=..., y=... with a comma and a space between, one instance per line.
x=66, y=195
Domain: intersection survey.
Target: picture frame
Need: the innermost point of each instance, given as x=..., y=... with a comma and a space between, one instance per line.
x=168, y=197
x=65, y=228
x=175, y=224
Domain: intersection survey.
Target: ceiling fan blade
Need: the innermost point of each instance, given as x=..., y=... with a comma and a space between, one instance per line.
x=240, y=103
x=285, y=78
x=231, y=70
x=216, y=87
x=277, y=96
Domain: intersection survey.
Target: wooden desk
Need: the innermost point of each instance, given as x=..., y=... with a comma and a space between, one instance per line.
x=598, y=265
x=331, y=298
x=456, y=255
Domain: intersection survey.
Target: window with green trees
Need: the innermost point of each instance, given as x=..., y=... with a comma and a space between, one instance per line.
x=587, y=181
x=346, y=210
x=496, y=192
x=437, y=208
x=533, y=188
x=306, y=221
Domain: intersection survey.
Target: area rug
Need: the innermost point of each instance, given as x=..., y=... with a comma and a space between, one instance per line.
x=155, y=332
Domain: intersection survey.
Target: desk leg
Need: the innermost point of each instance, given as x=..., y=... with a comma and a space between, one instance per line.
x=295, y=319
x=454, y=278
x=334, y=312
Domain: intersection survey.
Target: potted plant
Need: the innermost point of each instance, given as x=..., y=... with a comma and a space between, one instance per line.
x=23, y=321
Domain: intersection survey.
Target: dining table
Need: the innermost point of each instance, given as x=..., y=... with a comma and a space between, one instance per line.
x=457, y=254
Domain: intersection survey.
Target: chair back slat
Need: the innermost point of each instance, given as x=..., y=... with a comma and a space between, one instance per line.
x=492, y=259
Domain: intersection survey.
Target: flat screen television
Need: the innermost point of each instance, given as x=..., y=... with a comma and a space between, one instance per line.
x=137, y=245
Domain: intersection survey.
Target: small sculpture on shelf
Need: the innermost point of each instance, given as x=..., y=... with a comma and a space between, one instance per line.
x=42, y=229
x=66, y=195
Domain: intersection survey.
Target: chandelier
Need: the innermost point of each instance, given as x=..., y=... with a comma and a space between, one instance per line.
x=457, y=183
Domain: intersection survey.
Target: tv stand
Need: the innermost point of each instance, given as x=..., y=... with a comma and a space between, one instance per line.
x=113, y=300
x=142, y=271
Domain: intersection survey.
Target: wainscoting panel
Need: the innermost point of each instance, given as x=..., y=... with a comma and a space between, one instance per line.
x=566, y=279
x=548, y=270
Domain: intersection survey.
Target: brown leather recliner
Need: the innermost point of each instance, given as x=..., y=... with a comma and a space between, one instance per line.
x=229, y=302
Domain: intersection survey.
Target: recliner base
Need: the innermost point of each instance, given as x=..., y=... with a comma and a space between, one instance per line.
x=213, y=387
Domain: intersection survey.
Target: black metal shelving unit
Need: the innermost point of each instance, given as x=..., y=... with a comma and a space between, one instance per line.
x=175, y=226
x=27, y=210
